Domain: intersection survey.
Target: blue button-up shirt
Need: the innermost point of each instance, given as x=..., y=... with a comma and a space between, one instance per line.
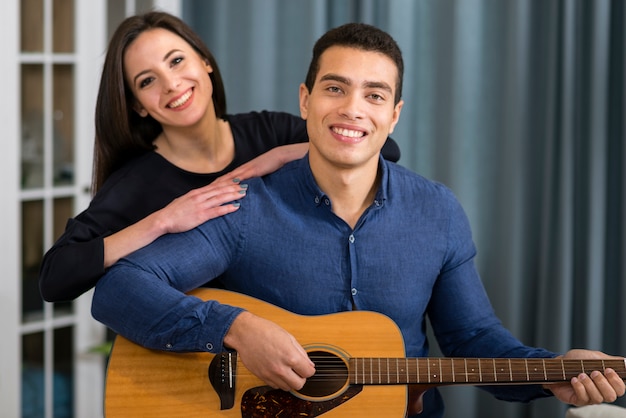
x=410, y=256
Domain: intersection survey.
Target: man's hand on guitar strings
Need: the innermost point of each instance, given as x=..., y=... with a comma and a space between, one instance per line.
x=269, y=352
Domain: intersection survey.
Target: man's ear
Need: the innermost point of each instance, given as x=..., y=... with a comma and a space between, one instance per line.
x=396, y=115
x=304, y=101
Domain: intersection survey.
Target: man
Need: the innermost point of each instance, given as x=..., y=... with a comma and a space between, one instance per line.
x=341, y=229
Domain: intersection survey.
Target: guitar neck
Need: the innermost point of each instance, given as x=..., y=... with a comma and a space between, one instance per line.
x=472, y=371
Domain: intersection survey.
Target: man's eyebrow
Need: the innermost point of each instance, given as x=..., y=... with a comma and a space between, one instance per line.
x=335, y=77
x=378, y=85
x=366, y=84
x=165, y=58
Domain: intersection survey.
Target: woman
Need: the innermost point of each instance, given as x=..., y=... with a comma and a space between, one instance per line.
x=163, y=138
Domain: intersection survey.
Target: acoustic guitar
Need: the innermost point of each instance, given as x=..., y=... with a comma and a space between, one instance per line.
x=360, y=371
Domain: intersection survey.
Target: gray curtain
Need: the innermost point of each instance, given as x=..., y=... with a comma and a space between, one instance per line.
x=519, y=107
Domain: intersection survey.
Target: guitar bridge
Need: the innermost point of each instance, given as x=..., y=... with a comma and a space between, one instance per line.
x=222, y=375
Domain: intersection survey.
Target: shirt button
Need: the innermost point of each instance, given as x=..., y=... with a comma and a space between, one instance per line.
x=354, y=291
x=209, y=346
x=168, y=346
x=326, y=202
x=351, y=239
x=317, y=200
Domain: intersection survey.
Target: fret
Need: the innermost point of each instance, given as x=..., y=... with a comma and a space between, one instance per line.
x=417, y=370
x=527, y=375
x=446, y=370
x=502, y=370
x=472, y=370
x=535, y=370
x=466, y=376
x=495, y=370
x=452, y=367
x=406, y=366
x=487, y=373
x=440, y=372
x=397, y=372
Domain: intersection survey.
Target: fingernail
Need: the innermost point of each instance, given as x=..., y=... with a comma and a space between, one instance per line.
x=242, y=191
x=236, y=204
x=236, y=180
x=243, y=186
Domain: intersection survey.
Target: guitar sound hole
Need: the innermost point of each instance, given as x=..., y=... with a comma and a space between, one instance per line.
x=331, y=375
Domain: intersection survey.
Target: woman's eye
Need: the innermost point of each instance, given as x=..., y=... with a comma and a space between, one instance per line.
x=177, y=60
x=145, y=82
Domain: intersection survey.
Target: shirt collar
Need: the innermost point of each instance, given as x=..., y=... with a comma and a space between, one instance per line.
x=320, y=198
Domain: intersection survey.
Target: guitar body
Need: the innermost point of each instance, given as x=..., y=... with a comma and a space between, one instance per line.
x=149, y=383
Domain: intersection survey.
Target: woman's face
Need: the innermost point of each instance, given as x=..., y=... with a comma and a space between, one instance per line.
x=169, y=79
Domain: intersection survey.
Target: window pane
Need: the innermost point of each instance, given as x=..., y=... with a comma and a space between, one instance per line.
x=32, y=250
x=32, y=126
x=63, y=26
x=63, y=123
x=63, y=381
x=63, y=210
x=33, y=405
x=32, y=25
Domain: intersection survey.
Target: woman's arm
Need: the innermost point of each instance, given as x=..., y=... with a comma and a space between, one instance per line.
x=266, y=163
x=182, y=214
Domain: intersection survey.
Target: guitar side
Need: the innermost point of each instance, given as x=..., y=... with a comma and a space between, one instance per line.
x=142, y=382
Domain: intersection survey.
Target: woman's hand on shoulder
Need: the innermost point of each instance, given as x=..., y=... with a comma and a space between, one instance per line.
x=199, y=205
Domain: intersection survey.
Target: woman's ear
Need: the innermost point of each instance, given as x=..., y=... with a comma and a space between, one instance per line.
x=140, y=110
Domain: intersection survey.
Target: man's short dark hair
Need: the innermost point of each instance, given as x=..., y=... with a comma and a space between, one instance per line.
x=360, y=36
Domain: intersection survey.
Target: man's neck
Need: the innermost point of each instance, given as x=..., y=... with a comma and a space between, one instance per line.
x=351, y=190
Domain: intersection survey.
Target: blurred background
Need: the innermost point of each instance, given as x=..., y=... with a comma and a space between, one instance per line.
x=517, y=105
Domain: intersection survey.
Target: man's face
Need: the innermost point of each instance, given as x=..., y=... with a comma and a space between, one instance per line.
x=350, y=110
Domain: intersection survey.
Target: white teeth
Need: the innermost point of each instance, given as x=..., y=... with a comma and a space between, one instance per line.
x=181, y=101
x=349, y=133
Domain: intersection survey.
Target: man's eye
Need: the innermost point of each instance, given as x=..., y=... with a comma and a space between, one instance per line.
x=334, y=89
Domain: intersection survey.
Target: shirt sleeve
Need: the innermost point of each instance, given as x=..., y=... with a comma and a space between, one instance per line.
x=462, y=316
x=143, y=296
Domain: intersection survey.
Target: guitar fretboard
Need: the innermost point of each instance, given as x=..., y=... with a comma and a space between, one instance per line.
x=472, y=371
